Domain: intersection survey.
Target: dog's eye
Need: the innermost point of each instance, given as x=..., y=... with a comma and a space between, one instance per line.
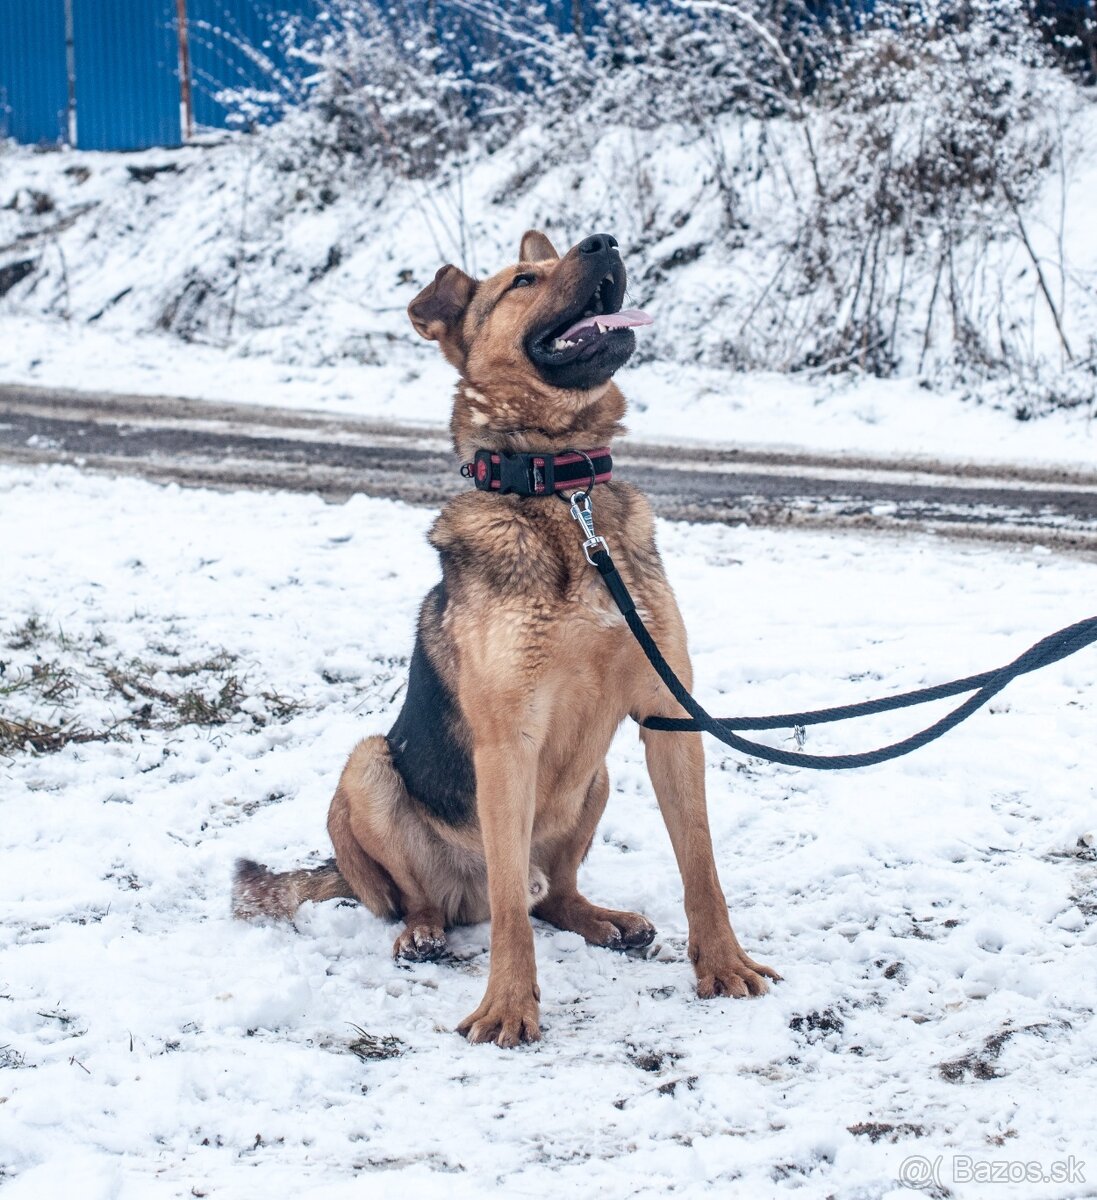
x=524, y=281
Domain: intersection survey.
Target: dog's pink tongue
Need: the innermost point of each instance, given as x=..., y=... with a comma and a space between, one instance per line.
x=627, y=318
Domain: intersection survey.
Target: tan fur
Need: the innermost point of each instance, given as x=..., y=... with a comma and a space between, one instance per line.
x=529, y=623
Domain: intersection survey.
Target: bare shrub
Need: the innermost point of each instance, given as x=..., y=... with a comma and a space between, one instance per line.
x=938, y=131
x=923, y=139
x=384, y=97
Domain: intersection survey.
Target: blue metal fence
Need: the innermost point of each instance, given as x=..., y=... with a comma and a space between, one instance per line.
x=119, y=86
x=123, y=91
x=127, y=74
x=33, y=78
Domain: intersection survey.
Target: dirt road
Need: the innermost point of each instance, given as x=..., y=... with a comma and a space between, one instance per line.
x=232, y=446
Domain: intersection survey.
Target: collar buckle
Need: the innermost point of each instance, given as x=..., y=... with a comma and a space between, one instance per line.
x=526, y=474
x=521, y=474
x=480, y=470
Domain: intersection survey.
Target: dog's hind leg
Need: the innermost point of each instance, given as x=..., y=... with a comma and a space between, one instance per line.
x=565, y=907
x=423, y=937
x=385, y=853
x=367, y=878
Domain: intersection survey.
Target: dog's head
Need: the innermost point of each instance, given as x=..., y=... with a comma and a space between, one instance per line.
x=536, y=344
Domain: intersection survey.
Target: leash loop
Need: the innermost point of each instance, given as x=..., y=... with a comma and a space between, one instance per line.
x=1048, y=650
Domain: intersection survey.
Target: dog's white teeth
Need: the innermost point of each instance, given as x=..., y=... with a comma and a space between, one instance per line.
x=600, y=327
x=607, y=279
x=560, y=344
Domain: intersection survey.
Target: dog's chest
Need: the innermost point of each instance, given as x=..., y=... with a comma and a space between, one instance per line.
x=526, y=605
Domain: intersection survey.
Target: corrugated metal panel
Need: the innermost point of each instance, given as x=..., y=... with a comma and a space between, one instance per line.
x=127, y=61
x=33, y=86
x=127, y=77
x=239, y=45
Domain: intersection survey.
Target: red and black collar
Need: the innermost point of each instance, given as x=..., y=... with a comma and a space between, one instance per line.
x=538, y=474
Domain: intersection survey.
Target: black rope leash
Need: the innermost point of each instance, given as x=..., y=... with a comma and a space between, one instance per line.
x=985, y=686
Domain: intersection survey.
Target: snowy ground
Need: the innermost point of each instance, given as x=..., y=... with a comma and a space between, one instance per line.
x=934, y=918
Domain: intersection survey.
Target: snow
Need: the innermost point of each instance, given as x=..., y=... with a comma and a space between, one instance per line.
x=933, y=918
x=228, y=277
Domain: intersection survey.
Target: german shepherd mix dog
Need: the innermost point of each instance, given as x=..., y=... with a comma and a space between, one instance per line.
x=483, y=799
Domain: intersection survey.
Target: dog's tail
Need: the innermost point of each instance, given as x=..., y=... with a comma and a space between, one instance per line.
x=258, y=891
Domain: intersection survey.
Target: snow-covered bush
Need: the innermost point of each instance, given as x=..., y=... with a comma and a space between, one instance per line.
x=408, y=89
x=935, y=126
x=363, y=96
x=651, y=65
x=881, y=203
x=381, y=97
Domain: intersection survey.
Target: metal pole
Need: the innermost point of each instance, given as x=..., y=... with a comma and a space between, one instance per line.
x=70, y=72
x=186, y=110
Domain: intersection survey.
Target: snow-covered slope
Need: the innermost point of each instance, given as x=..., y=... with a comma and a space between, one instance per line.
x=225, y=270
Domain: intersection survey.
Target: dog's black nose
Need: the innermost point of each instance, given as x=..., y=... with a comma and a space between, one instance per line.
x=597, y=243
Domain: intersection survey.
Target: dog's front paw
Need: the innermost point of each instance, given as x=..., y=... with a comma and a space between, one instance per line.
x=505, y=1017
x=724, y=970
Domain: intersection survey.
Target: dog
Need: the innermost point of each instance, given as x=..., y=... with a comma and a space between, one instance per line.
x=484, y=797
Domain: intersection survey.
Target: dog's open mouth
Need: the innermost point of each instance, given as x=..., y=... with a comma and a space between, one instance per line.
x=586, y=326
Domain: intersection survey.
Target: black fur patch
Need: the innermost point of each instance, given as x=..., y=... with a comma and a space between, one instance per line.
x=428, y=743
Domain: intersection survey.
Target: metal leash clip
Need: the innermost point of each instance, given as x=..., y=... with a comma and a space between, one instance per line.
x=581, y=511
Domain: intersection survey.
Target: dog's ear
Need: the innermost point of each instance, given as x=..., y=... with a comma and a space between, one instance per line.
x=535, y=247
x=437, y=311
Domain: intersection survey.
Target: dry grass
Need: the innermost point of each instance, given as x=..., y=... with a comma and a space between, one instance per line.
x=56, y=690
x=372, y=1046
